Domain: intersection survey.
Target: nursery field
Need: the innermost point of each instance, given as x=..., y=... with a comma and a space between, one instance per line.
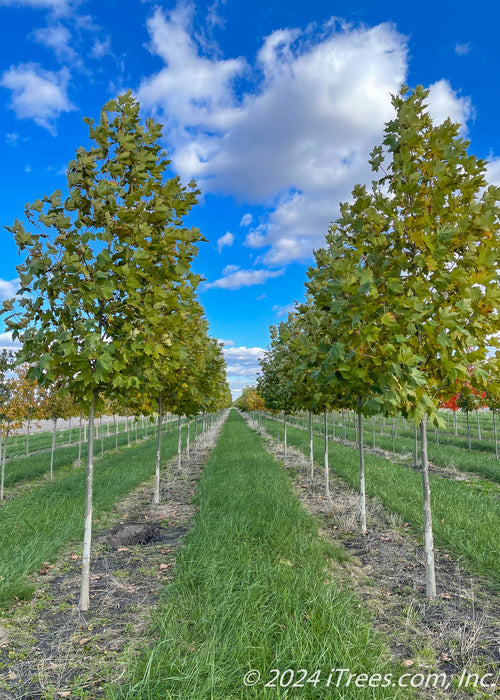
x=466, y=514
x=256, y=585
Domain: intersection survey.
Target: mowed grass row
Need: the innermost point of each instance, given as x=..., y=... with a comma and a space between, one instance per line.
x=37, y=465
x=450, y=452
x=36, y=526
x=465, y=521
x=41, y=441
x=253, y=592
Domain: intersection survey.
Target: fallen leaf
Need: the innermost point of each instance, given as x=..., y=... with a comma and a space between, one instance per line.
x=64, y=694
x=408, y=663
x=84, y=640
x=74, y=557
x=123, y=549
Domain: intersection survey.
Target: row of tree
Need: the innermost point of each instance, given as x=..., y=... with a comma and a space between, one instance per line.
x=107, y=307
x=402, y=303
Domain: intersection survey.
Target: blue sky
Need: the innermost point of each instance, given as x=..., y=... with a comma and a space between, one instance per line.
x=272, y=109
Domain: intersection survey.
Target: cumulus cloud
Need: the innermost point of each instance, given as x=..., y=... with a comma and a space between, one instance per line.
x=37, y=94
x=236, y=278
x=58, y=38
x=226, y=240
x=299, y=138
x=242, y=366
x=243, y=361
x=493, y=171
x=444, y=103
x=246, y=220
x=8, y=288
x=7, y=343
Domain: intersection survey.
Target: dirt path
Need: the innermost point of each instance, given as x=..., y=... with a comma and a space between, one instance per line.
x=48, y=648
x=459, y=630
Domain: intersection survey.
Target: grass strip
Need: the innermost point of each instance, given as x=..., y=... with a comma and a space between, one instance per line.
x=466, y=521
x=253, y=591
x=450, y=452
x=36, y=526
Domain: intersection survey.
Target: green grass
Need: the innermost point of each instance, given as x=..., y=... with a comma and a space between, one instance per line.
x=465, y=519
x=450, y=452
x=254, y=590
x=36, y=466
x=34, y=527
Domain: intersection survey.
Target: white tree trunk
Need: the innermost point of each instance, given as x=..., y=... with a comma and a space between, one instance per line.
x=327, y=471
x=362, y=490
x=430, y=574
x=179, y=443
x=87, y=537
x=156, y=494
x=284, y=432
x=52, y=449
x=311, y=450
x=3, y=443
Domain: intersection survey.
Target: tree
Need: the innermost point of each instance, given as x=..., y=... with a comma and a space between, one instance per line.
x=115, y=239
x=428, y=247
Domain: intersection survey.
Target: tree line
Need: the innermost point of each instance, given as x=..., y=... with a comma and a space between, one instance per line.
x=401, y=306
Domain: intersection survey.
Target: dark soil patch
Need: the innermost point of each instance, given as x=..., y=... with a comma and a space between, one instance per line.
x=459, y=630
x=48, y=648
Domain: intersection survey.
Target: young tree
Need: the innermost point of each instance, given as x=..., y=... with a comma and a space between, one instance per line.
x=428, y=243
x=92, y=260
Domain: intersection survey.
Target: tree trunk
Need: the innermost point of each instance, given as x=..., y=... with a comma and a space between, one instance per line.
x=430, y=574
x=311, y=451
x=70, y=430
x=187, y=437
x=468, y=431
x=455, y=429
x=327, y=471
x=116, y=432
x=156, y=494
x=373, y=433
x=87, y=537
x=284, y=432
x=278, y=429
x=3, y=454
x=52, y=449
x=362, y=489
x=415, y=451
x=495, y=436
x=393, y=440
x=343, y=427
x=80, y=441
x=28, y=438
x=179, y=443
x=102, y=437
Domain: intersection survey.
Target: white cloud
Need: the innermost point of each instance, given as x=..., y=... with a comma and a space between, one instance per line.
x=8, y=288
x=101, y=48
x=6, y=342
x=235, y=279
x=242, y=367
x=283, y=310
x=462, y=49
x=445, y=102
x=58, y=7
x=226, y=240
x=243, y=361
x=493, y=171
x=299, y=138
x=37, y=94
x=12, y=138
x=58, y=38
x=246, y=220
x=229, y=269
x=226, y=343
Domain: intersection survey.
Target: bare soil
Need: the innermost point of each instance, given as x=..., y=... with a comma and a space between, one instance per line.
x=459, y=630
x=48, y=648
